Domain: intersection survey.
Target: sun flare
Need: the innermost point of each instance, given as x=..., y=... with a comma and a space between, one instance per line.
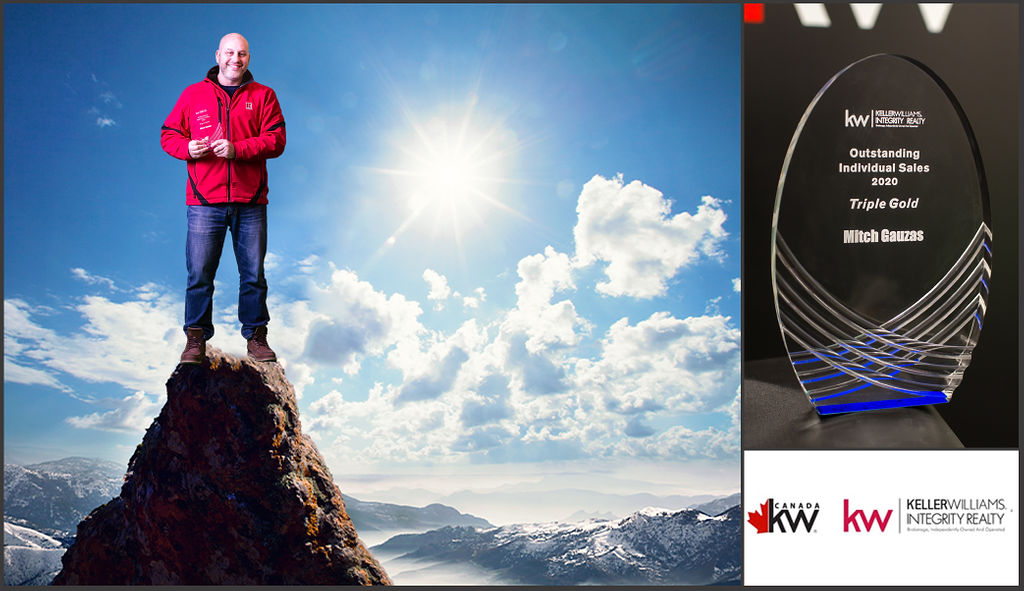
x=452, y=171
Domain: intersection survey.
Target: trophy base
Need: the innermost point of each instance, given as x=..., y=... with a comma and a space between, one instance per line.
x=874, y=400
x=776, y=415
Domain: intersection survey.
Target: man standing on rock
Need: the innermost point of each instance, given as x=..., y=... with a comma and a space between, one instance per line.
x=224, y=128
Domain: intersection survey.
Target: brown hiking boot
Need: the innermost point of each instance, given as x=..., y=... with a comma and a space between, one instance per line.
x=258, y=348
x=195, y=346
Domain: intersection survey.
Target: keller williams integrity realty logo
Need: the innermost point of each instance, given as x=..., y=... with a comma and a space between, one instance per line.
x=784, y=517
x=854, y=519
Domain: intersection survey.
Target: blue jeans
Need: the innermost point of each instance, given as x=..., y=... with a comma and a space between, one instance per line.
x=207, y=226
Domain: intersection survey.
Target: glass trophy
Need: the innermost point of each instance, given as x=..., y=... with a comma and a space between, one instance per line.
x=881, y=247
x=218, y=134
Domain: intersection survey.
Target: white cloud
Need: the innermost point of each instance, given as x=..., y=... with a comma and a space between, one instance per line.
x=147, y=291
x=132, y=414
x=489, y=402
x=439, y=379
x=289, y=326
x=439, y=289
x=535, y=372
x=629, y=228
x=436, y=353
x=84, y=275
x=18, y=374
x=541, y=275
x=271, y=261
x=736, y=285
x=120, y=342
x=489, y=395
x=712, y=306
x=519, y=389
x=355, y=321
x=681, y=442
x=662, y=367
x=546, y=324
x=474, y=301
x=19, y=328
x=133, y=343
x=109, y=98
x=309, y=264
x=453, y=391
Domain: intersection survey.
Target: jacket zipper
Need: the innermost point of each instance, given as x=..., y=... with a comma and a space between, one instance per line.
x=227, y=136
x=227, y=132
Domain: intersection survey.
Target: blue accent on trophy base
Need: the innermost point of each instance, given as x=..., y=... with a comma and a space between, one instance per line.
x=831, y=409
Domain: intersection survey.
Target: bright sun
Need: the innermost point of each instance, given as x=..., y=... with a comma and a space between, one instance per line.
x=451, y=171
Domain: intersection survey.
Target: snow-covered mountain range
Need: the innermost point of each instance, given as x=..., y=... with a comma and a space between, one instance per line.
x=652, y=547
x=30, y=557
x=43, y=504
x=53, y=497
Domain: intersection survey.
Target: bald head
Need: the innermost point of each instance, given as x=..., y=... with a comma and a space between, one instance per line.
x=233, y=37
x=232, y=59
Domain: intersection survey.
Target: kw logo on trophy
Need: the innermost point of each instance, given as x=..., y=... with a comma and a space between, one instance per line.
x=853, y=120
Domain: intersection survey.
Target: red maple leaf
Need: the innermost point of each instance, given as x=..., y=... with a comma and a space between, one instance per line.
x=759, y=519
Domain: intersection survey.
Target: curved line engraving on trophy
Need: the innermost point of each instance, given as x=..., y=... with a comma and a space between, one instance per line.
x=921, y=352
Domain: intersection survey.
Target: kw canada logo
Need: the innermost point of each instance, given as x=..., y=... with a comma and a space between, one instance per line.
x=859, y=518
x=784, y=517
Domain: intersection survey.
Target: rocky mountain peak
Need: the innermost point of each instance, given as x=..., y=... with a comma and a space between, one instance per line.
x=223, y=489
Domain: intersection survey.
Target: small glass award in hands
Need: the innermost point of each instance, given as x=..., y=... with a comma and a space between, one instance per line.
x=218, y=134
x=881, y=247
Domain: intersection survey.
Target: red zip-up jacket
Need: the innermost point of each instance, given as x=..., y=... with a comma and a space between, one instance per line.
x=251, y=120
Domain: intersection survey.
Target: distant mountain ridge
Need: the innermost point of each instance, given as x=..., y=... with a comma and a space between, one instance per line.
x=585, y=515
x=552, y=504
x=653, y=547
x=717, y=506
x=371, y=516
x=53, y=497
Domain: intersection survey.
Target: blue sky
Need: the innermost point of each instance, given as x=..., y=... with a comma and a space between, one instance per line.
x=504, y=240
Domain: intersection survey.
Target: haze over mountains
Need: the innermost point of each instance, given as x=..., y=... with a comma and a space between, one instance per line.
x=650, y=547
